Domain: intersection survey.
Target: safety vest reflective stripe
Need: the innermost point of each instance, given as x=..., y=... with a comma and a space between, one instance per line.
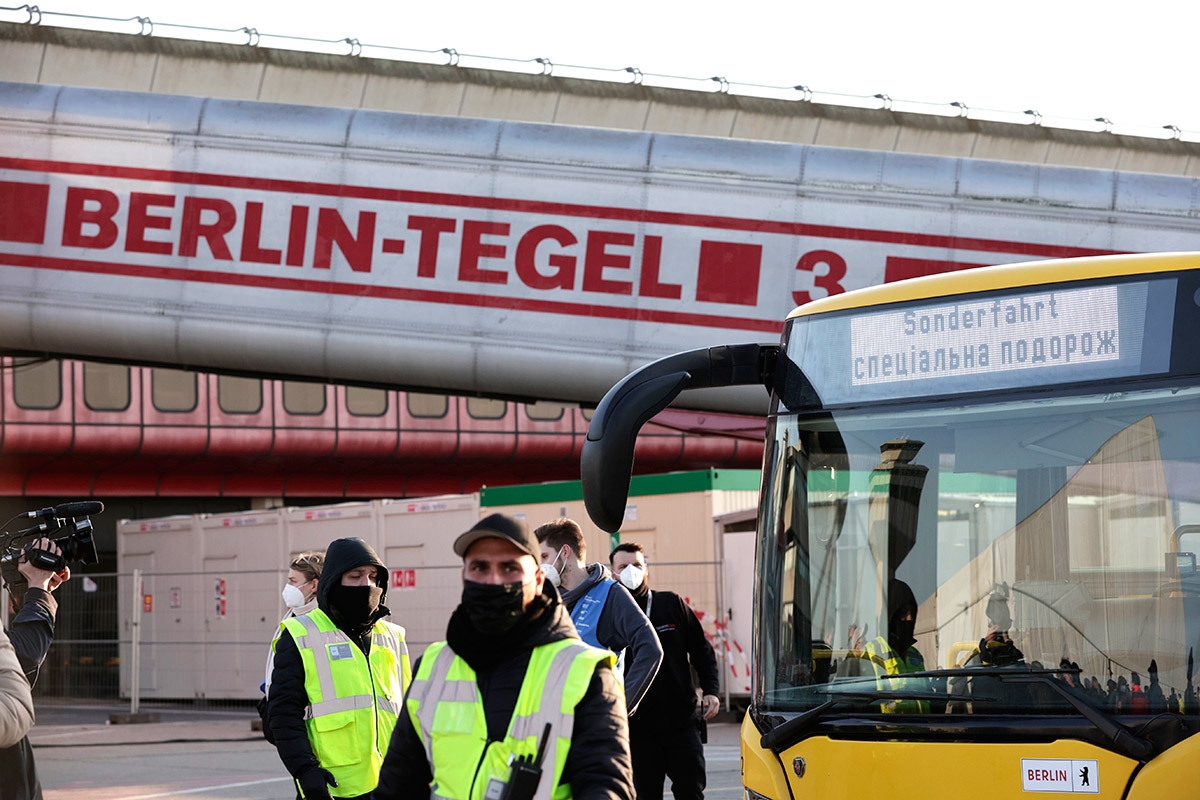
x=526, y=725
x=889, y=661
x=315, y=640
x=352, y=703
x=562, y=724
x=436, y=685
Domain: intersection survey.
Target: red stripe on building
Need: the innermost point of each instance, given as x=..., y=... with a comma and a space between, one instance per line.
x=389, y=292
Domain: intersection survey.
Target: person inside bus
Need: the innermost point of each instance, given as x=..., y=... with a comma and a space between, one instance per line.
x=895, y=653
x=300, y=597
x=602, y=609
x=996, y=649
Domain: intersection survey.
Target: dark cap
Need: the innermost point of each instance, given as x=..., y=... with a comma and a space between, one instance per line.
x=500, y=526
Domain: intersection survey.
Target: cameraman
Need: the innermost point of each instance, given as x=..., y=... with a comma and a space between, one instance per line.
x=16, y=701
x=31, y=632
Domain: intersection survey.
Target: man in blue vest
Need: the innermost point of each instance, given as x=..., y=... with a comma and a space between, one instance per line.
x=603, y=611
x=512, y=704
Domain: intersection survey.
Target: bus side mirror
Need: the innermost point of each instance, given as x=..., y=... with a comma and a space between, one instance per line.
x=606, y=464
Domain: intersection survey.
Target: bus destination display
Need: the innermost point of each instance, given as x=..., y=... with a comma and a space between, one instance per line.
x=1026, y=331
x=1041, y=336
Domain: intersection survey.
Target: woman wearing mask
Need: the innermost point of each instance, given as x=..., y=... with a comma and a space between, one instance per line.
x=300, y=597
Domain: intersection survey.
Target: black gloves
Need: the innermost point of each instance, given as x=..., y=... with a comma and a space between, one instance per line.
x=315, y=783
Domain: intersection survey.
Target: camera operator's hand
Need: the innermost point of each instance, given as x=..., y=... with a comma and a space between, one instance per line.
x=43, y=578
x=315, y=783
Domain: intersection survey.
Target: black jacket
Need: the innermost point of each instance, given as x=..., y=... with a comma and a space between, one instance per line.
x=672, y=698
x=31, y=632
x=598, y=765
x=623, y=626
x=288, y=699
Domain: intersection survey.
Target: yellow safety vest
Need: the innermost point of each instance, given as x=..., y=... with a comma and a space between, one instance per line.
x=353, y=701
x=447, y=713
x=887, y=661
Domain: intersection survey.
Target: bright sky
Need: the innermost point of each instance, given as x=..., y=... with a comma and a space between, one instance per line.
x=1070, y=61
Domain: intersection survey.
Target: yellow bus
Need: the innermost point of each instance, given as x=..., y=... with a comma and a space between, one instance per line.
x=975, y=569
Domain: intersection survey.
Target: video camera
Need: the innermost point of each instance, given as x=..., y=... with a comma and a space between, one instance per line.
x=77, y=544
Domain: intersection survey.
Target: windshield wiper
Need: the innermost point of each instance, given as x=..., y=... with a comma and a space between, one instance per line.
x=784, y=735
x=788, y=733
x=1125, y=740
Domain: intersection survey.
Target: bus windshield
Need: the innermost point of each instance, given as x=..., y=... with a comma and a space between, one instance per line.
x=1055, y=536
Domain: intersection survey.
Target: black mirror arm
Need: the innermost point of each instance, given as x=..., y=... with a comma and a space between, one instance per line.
x=606, y=464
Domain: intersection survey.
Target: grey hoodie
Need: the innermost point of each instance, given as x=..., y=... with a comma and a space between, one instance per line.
x=623, y=626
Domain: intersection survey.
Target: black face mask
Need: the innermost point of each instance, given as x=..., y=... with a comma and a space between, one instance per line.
x=900, y=637
x=355, y=605
x=492, y=607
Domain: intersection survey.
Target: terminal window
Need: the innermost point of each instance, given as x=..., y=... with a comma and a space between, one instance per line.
x=37, y=384
x=429, y=406
x=105, y=386
x=173, y=390
x=363, y=402
x=303, y=398
x=239, y=395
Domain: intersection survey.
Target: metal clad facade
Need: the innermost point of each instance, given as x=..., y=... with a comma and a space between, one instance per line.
x=438, y=252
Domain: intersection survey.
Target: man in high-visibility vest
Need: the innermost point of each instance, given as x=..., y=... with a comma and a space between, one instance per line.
x=339, y=679
x=513, y=705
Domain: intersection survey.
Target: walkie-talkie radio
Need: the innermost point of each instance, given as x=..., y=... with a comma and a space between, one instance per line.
x=526, y=772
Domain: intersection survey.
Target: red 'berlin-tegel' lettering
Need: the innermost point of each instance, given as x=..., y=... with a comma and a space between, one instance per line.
x=488, y=252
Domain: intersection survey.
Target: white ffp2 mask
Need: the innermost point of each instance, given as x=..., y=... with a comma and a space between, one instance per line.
x=632, y=576
x=552, y=573
x=292, y=596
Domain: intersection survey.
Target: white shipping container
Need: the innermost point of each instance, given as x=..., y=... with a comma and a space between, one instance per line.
x=208, y=601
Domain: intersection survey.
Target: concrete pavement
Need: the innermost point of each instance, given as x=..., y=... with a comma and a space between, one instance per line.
x=214, y=755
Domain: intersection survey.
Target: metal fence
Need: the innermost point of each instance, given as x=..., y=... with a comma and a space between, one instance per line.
x=204, y=637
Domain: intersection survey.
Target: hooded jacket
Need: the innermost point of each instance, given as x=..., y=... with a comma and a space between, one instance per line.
x=623, y=626
x=288, y=698
x=598, y=765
